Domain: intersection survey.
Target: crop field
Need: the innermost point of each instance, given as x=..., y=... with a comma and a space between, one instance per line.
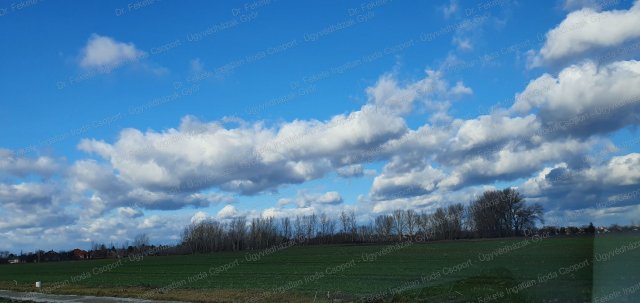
x=553, y=269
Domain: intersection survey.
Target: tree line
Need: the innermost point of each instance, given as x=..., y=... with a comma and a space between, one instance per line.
x=496, y=213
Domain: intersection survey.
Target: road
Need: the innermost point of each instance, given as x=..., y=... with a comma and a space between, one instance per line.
x=49, y=298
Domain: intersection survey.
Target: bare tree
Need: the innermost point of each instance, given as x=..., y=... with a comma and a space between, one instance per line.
x=349, y=224
x=353, y=225
x=439, y=223
x=426, y=228
x=310, y=224
x=140, y=241
x=384, y=226
x=285, y=223
x=331, y=227
x=299, y=228
x=237, y=233
x=399, y=223
x=344, y=220
x=327, y=227
x=455, y=214
x=324, y=225
x=412, y=222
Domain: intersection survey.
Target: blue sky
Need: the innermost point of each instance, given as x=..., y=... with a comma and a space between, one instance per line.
x=110, y=112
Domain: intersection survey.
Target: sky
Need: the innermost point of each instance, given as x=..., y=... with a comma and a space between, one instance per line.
x=119, y=118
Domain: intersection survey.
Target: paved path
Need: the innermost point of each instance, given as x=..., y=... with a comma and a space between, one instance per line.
x=49, y=298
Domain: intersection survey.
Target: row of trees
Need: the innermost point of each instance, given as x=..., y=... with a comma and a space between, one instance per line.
x=497, y=213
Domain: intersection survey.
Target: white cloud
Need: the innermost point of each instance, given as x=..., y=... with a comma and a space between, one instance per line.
x=273, y=212
x=621, y=171
x=101, y=181
x=129, y=212
x=405, y=179
x=28, y=205
x=450, y=9
x=432, y=91
x=512, y=162
x=331, y=197
x=106, y=52
x=587, y=29
x=21, y=166
x=199, y=217
x=463, y=44
x=595, y=186
x=460, y=89
x=284, y=201
x=196, y=66
x=585, y=99
x=492, y=129
x=349, y=171
x=247, y=159
x=227, y=212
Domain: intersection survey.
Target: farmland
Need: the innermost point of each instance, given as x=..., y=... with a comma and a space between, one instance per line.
x=541, y=269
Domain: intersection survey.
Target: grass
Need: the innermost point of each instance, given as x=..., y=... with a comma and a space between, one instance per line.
x=519, y=270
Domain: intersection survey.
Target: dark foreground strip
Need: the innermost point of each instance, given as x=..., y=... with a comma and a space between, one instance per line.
x=49, y=298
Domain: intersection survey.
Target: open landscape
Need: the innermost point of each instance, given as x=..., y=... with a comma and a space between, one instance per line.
x=494, y=270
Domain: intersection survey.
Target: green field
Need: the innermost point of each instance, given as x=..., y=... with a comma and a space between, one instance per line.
x=504, y=270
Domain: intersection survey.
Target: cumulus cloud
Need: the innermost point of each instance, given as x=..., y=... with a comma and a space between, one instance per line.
x=584, y=99
x=613, y=183
x=586, y=30
x=250, y=158
x=427, y=202
x=199, y=217
x=306, y=199
x=103, y=51
x=492, y=129
x=28, y=205
x=432, y=91
x=112, y=190
x=273, y=212
x=20, y=166
x=404, y=177
x=355, y=170
x=227, y=212
x=129, y=212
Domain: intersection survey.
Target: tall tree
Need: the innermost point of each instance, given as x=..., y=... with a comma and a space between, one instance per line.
x=399, y=223
x=412, y=222
x=501, y=213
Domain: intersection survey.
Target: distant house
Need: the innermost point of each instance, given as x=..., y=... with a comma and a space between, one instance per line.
x=51, y=256
x=80, y=254
x=14, y=261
